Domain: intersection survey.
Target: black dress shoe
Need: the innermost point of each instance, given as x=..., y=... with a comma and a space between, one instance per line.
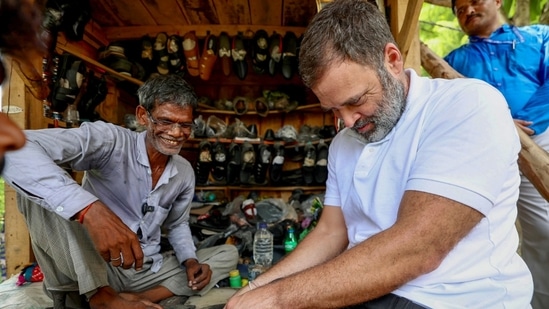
x=234, y=165
x=275, y=53
x=269, y=135
x=253, y=130
x=278, y=163
x=309, y=161
x=248, y=162
x=321, y=164
x=204, y=163
x=289, y=56
x=262, y=164
x=219, y=158
x=238, y=52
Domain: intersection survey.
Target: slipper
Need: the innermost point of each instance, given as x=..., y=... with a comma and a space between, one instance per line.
x=248, y=162
x=209, y=56
x=234, y=165
x=262, y=164
x=190, y=49
x=308, y=167
x=275, y=53
x=238, y=52
x=289, y=56
x=260, y=52
x=225, y=53
x=219, y=170
x=321, y=165
x=204, y=163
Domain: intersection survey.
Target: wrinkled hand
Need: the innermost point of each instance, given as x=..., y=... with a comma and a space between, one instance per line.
x=116, y=243
x=524, y=125
x=246, y=298
x=199, y=275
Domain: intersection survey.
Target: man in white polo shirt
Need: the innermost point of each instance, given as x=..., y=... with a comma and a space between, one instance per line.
x=420, y=203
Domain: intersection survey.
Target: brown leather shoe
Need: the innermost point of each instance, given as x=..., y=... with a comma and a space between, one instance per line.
x=209, y=56
x=190, y=49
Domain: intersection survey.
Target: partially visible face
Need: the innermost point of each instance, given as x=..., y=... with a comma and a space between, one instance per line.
x=167, y=139
x=368, y=104
x=478, y=17
x=11, y=136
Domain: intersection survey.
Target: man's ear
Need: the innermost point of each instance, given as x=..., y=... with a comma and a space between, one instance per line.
x=393, y=59
x=141, y=115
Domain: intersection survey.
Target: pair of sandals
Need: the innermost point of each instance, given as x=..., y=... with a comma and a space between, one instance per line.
x=315, y=164
x=283, y=53
x=200, y=64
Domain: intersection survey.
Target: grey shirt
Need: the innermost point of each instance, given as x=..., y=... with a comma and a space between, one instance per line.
x=117, y=172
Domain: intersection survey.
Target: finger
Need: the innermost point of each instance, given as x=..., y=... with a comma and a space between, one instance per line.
x=137, y=254
x=150, y=304
x=115, y=258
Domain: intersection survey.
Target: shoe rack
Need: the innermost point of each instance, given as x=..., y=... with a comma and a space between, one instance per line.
x=302, y=110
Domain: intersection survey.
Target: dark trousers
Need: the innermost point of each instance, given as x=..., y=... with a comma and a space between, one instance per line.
x=389, y=301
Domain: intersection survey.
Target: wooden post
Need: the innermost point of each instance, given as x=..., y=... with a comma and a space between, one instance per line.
x=404, y=25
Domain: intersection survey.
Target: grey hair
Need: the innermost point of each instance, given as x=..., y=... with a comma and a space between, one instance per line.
x=166, y=89
x=353, y=30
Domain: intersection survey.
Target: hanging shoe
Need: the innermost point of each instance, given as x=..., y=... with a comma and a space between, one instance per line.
x=238, y=52
x=71, y=74
x=225, y=53
x=209, y=56
x=260, y=52
x=175, y=56
x=248, y=162
x=190, y=49
x=289, y=56
x=261, y=107
x=160, y=53
x=204, y=164
x=275, y=53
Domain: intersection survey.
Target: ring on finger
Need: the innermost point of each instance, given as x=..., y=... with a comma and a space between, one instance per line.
x=116, y=259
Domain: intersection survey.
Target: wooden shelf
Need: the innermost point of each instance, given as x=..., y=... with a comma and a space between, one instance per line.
x=206, y=109
x=259, y=188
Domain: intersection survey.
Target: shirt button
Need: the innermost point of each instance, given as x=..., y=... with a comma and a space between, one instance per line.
x=495, y=69
x=149, y=171
x=59, y=209
x=492, y=53
x=499, y=84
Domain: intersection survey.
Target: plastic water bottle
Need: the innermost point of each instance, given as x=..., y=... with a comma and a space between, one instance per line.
x=263, y=246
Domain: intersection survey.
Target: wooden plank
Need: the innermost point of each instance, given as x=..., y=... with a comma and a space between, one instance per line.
x=399, y=10
x=136, y=32
x=298, y=12
x=409, y=28
x=266, y=12
x=199, y=12
x=231, y=12
x=103, y=13
x=123, y=12
x=165, y=12
x=18, y=245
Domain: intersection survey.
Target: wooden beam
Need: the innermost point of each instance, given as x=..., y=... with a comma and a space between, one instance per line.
x=136, y=32
x=409, y=28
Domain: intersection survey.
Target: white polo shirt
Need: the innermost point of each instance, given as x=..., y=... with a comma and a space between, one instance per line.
x=456, y=139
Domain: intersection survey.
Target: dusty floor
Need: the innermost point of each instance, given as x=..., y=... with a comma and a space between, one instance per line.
x=31, y=296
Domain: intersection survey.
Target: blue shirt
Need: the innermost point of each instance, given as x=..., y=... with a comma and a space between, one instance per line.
x=118, y=173
x=515, y=61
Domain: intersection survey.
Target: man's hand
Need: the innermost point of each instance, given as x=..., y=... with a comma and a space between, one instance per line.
x=116, y=243
x=199, y=275
x=524, y=125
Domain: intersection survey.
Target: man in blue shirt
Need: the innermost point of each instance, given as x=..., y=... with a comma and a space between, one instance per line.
x=102, y=240
x=515, y=60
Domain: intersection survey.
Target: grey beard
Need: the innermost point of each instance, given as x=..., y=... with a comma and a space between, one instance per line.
x=390, y=109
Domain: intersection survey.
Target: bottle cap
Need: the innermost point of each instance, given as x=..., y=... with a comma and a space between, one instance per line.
x=234, y=273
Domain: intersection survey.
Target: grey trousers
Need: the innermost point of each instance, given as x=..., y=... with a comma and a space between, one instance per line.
x=70, y=263
x=389, y=301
